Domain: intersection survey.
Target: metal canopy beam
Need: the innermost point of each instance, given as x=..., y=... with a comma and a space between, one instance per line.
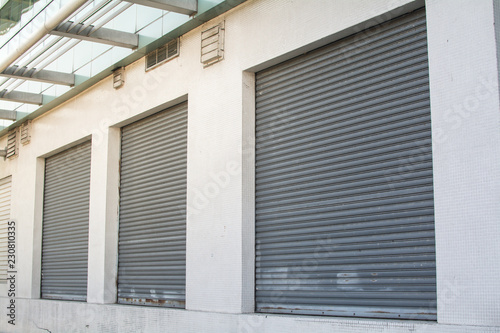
x=188, y=7
x=8, y=115
x=203, y=16
x=30, y=40
x=42, y=76
x=101, y=35
x=21, y=97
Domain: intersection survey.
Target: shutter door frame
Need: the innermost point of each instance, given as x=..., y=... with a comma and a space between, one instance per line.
x=5, y=201
x=65, y=226
x=153, y=208
x=344, y=188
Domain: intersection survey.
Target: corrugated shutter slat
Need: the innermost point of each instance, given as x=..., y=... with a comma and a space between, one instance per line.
x=66, y=224
x=152, y=232
x=5, y=186
x=344, y=189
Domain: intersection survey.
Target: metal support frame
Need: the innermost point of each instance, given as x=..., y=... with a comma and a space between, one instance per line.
x=38, y=34
x=21, y=97
x=25, y=73
x=8, y=115
x=188, y=7
x=101, y=35
x=60, y=19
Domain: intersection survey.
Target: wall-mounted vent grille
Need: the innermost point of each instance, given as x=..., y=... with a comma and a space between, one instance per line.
x=12, y=143
x=162, y=54
x=26, y=132
x=212, y=45
x=118, y=77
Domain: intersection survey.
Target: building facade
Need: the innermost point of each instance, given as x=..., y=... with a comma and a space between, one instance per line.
x=250, y=166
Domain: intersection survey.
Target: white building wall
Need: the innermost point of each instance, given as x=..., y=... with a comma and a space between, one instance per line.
x=465, y=113
x=220, y=233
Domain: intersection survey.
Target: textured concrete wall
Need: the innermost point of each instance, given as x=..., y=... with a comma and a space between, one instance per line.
x=66, y=317
x=465, y=114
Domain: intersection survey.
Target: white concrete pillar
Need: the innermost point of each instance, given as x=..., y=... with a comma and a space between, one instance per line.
x=465, y=110
x=22, y=210
x=219, y=219
x=103, y=217
x=36, y=264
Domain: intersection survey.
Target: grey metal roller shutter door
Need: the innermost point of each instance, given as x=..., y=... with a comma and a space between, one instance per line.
x=344, y=190
x=152, y=232
x=5, y=185
x=66, y=224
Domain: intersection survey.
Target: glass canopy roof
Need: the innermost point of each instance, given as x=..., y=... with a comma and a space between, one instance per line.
x=84, y=47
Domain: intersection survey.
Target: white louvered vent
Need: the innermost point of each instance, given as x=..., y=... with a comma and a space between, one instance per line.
x=26, y=132
x=118, y=77
x=162, y=54
x=212, y=45
x=13, y=143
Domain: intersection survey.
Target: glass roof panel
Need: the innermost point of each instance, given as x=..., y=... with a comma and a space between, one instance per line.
x=88, y=60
